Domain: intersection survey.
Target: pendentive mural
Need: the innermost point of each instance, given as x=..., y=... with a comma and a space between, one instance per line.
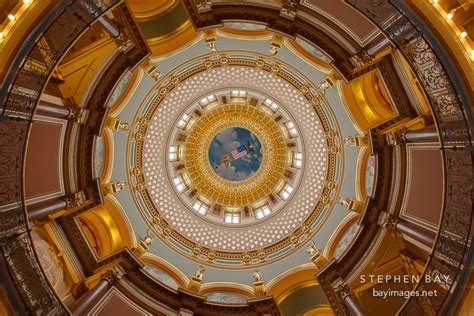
x=226, y=297
x=99, y=156
x=162, y=276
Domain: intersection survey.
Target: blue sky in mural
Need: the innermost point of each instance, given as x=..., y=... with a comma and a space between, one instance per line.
x=226, y=297
x=245, y=26
x=161, y=276
x=120, y=87
x=99, y=156
x=370, y=175
x=313, y=50
x=228, y=164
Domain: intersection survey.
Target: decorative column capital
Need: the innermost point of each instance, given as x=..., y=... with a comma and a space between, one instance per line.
x=77, y=114
x=388, y=221
x=75, y=200
x=114, y=274
x=361, y=59
x=341, y=289
x=288, y=10
x=345, y=294
x=203, y=6
x=123, y=41
x=396, y=137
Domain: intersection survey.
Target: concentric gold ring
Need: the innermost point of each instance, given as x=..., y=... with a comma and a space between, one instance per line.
x=253, y=189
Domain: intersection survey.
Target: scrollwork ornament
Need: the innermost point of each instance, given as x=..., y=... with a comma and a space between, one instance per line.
x=261, y=255
x=294, y=239
x=211, y=256
x=113, y=275
x=138, y=136
x=246, y=258
x=260, y=63
x=197, y=250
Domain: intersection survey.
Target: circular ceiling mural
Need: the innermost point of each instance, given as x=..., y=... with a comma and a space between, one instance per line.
x=233, y=191
x=220, y=168
x=235, y=154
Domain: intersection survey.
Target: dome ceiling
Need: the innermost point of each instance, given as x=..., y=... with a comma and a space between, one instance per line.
x=198, y=165
x=235, y=223
x=189, y=205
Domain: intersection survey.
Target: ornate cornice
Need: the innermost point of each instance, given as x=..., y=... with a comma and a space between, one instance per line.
x=270, y=15
x=343, y=267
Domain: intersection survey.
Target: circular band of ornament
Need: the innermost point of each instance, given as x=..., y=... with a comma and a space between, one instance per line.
x=196, y=238
x=231, y=193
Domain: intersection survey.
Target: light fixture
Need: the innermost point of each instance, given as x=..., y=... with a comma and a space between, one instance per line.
x=2, y=35
x=463, y=34
x=26, y=1
x=472, y=52
x=466, y=5
x=11, y=17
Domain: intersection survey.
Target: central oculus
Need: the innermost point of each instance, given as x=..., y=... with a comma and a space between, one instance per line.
x=235, y=154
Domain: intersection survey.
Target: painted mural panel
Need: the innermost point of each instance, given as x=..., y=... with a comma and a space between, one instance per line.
x=312, y=50
x=120, y=88
x=244, y=26
x=346, y=240
x=99, y=156
x=226, y=297
x=162, y=276
x=370, y=175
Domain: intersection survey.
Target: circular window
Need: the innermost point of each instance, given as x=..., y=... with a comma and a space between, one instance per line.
x=235, y=154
